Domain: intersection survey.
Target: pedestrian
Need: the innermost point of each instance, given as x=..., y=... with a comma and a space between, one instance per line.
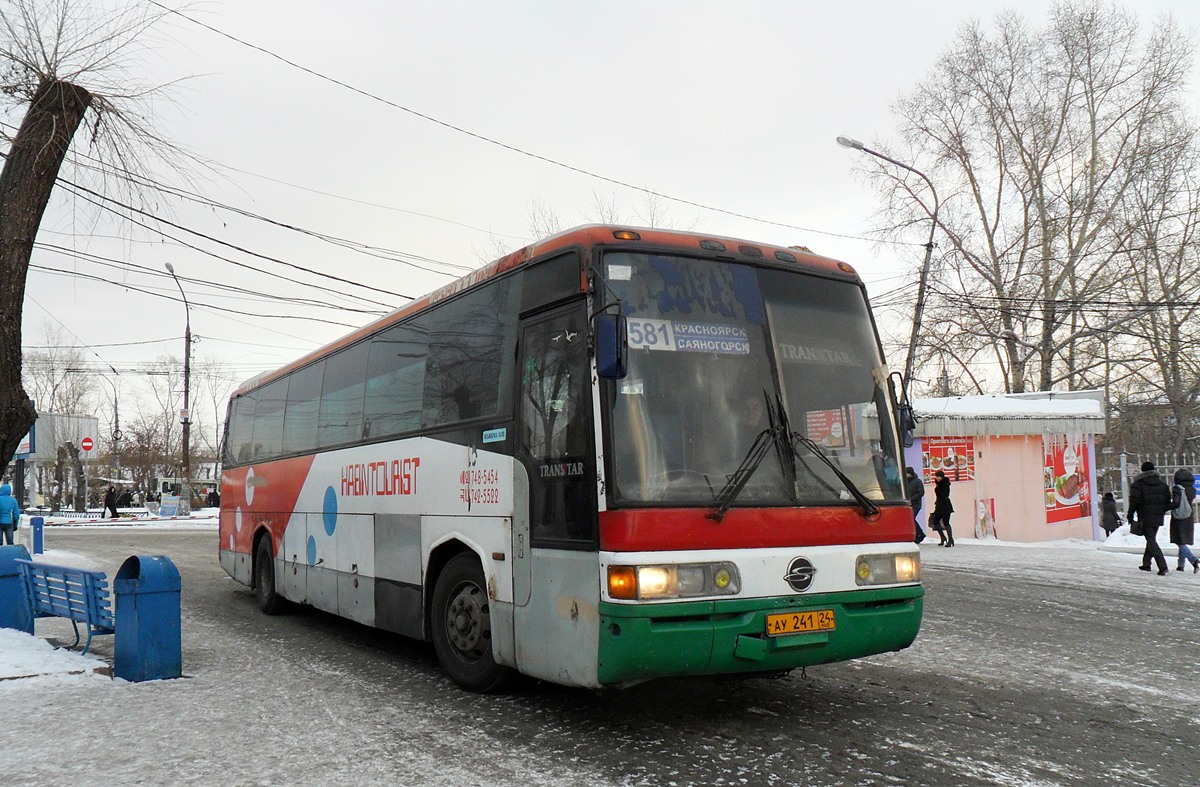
x=1149, y=501
x=110, y=502
x=939, y=520
x=916, y=492
x=10, y=515
x=1183, y=528
x=1110, y=520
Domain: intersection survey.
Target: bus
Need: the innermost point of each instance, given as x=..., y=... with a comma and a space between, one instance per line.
x=614, y=455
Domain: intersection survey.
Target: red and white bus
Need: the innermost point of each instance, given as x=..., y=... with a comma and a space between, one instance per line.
x=610, y=456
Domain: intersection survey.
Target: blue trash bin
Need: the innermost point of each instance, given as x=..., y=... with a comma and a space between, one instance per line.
x=148, y=640
x=14, y=607
x=39, y=534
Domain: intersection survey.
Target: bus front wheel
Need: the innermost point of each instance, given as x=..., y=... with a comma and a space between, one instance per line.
x=269, y=601
x=461, y=625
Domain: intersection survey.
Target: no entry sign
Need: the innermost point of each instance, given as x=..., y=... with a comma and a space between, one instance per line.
x=86, y=444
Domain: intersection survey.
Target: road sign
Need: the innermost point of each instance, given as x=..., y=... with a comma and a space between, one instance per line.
x=86, y=444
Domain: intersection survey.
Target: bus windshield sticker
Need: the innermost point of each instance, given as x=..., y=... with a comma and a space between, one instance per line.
x=495, y=435
x=620, y=272
x=633, y=387
x=679, y=336
x=825, y=356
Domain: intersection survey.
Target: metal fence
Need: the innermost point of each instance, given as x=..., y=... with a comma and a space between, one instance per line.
x=1165, y=464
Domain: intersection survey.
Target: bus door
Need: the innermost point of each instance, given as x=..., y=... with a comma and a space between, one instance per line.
x=556, y=596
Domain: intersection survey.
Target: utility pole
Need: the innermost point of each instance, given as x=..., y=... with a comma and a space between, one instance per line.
x=185, y=415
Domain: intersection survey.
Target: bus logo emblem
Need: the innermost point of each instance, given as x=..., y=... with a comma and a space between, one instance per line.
x=800, y=574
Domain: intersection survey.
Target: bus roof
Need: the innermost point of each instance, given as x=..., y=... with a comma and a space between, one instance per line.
x=589, y=235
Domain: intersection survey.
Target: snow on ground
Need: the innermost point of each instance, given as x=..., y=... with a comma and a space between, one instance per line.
x=22, y=654
x=205, y=711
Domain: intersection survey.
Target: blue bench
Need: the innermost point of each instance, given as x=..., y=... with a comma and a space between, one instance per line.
x=76, y=594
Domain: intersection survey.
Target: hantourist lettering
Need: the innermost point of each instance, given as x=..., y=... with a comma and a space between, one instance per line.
x=386, y=477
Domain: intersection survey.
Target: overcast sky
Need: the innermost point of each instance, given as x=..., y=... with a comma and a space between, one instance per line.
x=730, y=105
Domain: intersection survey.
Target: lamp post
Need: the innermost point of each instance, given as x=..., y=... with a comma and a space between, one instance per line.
x=854, y=144
x=186, y=413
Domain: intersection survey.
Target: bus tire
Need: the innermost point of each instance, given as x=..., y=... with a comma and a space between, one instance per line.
x=461, y=624
x=269, y=600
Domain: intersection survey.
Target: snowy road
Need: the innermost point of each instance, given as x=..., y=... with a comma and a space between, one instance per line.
x=1035, y=665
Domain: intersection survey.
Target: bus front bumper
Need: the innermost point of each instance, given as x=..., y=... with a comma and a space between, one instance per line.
x=639, y=642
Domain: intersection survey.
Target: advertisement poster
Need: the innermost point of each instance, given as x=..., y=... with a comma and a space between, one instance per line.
x=955, y=456
x=985, y=519
x=1065, y=475
x=827, y=427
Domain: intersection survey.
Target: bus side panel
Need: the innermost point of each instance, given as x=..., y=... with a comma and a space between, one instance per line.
x=291, y=578
x=398, y=594
x=557, y=632
x=354, y=565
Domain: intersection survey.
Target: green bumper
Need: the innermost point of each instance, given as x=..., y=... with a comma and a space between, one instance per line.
x=641, y=641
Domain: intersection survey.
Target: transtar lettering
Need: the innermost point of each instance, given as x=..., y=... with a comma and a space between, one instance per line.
x=798, y=352
x=387, y=477
x=561, y=470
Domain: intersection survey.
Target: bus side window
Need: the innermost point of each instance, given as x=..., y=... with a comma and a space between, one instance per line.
x=341, y=418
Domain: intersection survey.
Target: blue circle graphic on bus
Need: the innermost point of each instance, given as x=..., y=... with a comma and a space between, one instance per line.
x=330, y=510
x=312, y=550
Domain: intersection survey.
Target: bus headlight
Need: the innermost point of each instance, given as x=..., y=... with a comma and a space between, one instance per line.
x=686, y=580
x=888, y=569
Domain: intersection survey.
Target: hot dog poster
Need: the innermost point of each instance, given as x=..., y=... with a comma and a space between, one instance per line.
x=1066, y=483
x=954, y=456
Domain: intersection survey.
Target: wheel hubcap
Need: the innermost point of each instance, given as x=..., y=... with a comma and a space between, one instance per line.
x=467, y=622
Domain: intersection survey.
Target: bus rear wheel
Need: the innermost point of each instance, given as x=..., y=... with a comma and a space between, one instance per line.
x=461, y=623
x=269, y=601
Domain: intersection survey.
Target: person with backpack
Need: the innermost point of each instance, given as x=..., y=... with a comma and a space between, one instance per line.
x=1183, y=517
x=1149, y=502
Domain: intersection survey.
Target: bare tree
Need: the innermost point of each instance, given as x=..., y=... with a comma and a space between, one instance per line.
x=1036, y=139
x=1159, y=306
x=63, y=60
x=213, y=383
x=51, y=375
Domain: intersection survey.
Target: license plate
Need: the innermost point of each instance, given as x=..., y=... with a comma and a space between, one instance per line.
x=800, y=622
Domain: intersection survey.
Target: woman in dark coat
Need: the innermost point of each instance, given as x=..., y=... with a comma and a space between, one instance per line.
x=916, y=492
x=1110, y=520
x=939, y=520
x=1183, y=530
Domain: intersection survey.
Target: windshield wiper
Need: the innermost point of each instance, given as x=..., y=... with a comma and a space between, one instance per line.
x=868, y=506
x=774, y=435
x=779, y=435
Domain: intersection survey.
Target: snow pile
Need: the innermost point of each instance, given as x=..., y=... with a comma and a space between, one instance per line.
x=26, y=656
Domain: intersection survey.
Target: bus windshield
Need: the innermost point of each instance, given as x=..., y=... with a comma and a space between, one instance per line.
x=713, y=346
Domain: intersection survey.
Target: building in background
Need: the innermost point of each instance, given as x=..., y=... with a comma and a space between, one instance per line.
x=1022, y=467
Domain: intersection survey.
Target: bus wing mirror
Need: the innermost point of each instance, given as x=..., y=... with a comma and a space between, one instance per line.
x=612, y=346
x=908, y=422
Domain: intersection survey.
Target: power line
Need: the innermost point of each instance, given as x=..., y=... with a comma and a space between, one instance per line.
x=508, y=147
x=100, y=198
x=109, y=262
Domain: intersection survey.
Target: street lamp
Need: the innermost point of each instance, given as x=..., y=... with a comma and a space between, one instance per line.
x=854, y=144
x=185, y=415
